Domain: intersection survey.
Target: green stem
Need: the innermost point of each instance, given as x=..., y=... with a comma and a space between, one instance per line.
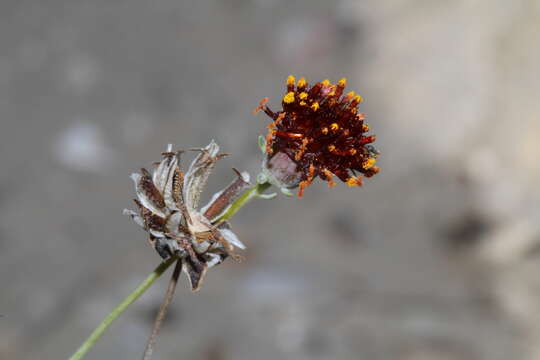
x=98, y=332
x=246, y=197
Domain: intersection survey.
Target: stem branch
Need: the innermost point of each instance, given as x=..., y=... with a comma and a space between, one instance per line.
x=96, y=334
x=162, y=311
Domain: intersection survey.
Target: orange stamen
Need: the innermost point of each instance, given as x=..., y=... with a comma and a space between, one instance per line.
x=330, y=178
x=303, y=185
x=261, y=105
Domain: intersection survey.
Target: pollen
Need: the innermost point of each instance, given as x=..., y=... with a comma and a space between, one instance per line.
x=342, y=82
x=369, y=163
x=303, y=103
x=302, y=83
x=325, y=83
x=290, y=80
x=289, y=98
x=350, y=94
x=315, y=106
x=354, y=181
x=303, y=95
x=365, y=127
x=358, y=98
x=334, y=127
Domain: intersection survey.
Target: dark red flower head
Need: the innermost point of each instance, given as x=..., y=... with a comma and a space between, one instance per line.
x=322, y=132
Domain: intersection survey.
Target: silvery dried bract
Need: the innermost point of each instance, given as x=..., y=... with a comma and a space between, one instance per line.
x=168, y=201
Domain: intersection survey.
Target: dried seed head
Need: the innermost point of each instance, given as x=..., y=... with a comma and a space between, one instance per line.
x=167, y=203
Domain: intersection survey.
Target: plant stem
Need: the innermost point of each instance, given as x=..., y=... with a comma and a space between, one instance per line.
x=250, y=194
x=247, y=196
x=162, y=311
x=96, y=334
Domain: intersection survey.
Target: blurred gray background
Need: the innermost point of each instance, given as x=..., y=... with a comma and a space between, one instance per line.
x=436, y=258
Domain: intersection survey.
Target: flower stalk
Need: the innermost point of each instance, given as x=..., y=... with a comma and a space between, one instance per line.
x=134, y=295
x=150, y=345
x=257, y=191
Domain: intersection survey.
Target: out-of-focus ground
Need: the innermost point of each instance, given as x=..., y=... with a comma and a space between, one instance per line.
x=436, y=258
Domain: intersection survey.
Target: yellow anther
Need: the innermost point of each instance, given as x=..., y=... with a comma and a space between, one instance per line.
x=365, y=127
x=368, y=164
x=342, y=82
x=290, y=80
x=289, y=98
x=351, y=94
x=358, y=98
x=334, y=127
x=332, y=93
x=325, y=83
x=352, y=151
x=324, y=130
x=303, y=103
x=303, y=95
x=352, y=181
x=315, y=106
x=302, y=82
x=331, y=147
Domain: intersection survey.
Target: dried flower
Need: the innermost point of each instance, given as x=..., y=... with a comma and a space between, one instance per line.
x=320, y=133
x=167, y=204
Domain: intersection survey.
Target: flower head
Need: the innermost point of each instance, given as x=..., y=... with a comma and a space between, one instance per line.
x=167, y=202
x=318, y=133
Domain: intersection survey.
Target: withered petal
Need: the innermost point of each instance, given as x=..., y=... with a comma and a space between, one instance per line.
x=147, y=194
x=139, y=220
x=198, y=173
x=168, y=189
x=173, y=223
x=161, y=173
x=164, y=247
x=230, y=236
x=156, y=233
x=221, y=200
x=213, y=259
x=195, y=273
